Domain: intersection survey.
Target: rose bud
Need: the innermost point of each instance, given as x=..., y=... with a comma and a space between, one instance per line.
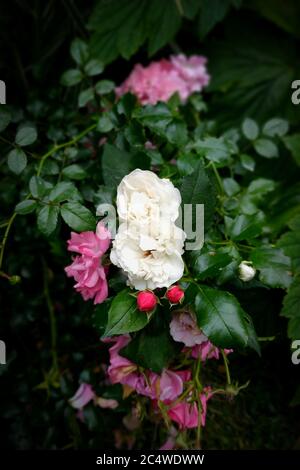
x=175, y=295
x=246, y=271
x=146, y=301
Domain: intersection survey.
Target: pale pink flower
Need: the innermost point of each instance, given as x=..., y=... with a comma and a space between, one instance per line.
x=184, y=329
x=160, y=80
x=171, y=386
x=207, y=350
x=121, y=370
x=192, y=70
x=86, y=268
x=82, y=397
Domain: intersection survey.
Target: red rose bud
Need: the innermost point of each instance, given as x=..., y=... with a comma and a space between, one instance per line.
x=175, y=294
x=146, y=301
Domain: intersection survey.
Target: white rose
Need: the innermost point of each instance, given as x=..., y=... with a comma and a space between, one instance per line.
x=148, y=262
x=146, y=199
x=246, y=271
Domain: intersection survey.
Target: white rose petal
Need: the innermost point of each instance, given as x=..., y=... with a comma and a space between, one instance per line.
x=148, y=245
x=148, y=263
x=143, y=197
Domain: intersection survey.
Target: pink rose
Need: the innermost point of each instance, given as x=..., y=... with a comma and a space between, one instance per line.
x=183, y=328
x=146, y=301
x=82, y=397
x=192, y=70
x=89, y=274
x=160, y=80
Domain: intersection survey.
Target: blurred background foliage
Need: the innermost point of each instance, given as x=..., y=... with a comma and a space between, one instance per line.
x=252, y=47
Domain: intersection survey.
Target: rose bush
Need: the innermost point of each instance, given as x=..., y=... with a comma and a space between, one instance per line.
x=142, y=327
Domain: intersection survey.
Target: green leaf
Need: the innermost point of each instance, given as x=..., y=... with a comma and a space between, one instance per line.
x=164, y=22
x=104, y=86
x=245, y=227
x=214, y=149
x=115, y=165
x=156, y=118
x=26, y=135
x=104, y=195
x=255, y=194
x=79, y=51
x=100, y=315
x=50, y=167
x=71, y=77
x=38, y=187
x=85, y=96
x=231, y=187
x=152, y=338
x=190, y=8
x=211, y=13
x=247, y=162
x=25, y=207
x=197, y=189
x=93, y=67
x=64, y=191
x=291, y=309
x=74, y=172
x=5, y=117
x=123, y=315
x=78, y=217
x=207, y=264
x=252, y=73
x=274, y=267
x=17, y=161
x=276, y=127
x=250, y=129
x=176, y=133
x=266, y=148
x=222, y=319
x=104, y=124
x=120, y=27
x=47, y=219
x=187, y=162
x=290, y=243
x=292, y=143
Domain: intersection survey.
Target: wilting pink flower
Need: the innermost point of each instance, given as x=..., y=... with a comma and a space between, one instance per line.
x=186, y=412
x=160, y=80
x=207, y=350
x=148, y=385
x=171, y=386
x=121, y=370
x=146, y=301
x=183, y=328
x=82, y=397
x=86, y=268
